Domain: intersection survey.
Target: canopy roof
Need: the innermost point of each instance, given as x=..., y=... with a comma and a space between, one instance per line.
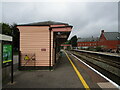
x=45, y=23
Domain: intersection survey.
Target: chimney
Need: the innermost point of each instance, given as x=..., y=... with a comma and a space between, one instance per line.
x=102, y=31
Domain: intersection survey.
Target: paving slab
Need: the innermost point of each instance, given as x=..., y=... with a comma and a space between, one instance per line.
x=63, y=76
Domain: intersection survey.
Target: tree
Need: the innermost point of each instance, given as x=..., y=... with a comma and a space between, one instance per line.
x=15, y=34
x=13, y=31
x=67, y=42
x=6, y=29
x=73, y=41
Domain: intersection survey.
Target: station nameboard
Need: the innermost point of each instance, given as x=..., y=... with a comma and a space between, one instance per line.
x=7, y=54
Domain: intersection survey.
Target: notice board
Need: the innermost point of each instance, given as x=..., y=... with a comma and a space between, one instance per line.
x=7, y=54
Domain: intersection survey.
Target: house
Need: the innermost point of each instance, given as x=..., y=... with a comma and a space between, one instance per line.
x=85, y=43
x=40, y=43
x=109, y=40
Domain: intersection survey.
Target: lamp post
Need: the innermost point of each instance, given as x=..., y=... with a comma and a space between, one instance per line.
x=12, y=57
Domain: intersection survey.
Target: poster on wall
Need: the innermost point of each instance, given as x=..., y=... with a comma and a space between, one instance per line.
x=7, y=55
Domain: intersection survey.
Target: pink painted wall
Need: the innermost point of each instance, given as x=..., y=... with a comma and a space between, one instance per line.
x=56, y=25
x=32, y=40
x=67, y=29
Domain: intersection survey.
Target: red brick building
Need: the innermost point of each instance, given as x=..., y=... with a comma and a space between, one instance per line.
x=84, y=43
x=109, y=40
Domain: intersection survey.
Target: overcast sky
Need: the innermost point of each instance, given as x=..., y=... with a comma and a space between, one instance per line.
x=87, y=18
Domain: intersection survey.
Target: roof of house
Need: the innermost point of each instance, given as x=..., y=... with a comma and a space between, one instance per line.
x=45, y=23
x=112, y=35
x=91, y=39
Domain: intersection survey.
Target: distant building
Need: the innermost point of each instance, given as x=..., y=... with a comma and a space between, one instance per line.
x=65, y=46
x=84, y=43
x=109, y=40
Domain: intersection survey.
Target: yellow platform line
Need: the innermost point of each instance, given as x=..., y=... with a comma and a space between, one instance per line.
x=78, y=73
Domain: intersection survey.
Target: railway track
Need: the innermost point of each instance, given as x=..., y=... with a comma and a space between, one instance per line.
x=107, y=60
x=106, y=65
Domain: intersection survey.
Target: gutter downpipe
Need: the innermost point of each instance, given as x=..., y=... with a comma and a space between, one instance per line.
x=50, y=48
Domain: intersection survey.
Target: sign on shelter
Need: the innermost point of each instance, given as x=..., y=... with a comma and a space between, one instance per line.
x=7, y=53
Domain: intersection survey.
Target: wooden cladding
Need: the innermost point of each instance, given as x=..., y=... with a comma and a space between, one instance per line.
x=35, y=39
x=67, y=29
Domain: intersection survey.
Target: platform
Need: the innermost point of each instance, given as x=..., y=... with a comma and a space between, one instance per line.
x=101, y=53
x=63, y=76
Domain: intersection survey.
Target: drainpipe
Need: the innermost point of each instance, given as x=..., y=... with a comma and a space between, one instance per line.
x=12, y=57
x=50, y=48
x=19, y=52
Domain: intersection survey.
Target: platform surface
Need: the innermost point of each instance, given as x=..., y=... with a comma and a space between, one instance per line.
x=63, y=76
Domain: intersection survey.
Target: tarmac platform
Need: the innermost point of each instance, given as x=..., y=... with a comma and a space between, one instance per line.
x=63, y=76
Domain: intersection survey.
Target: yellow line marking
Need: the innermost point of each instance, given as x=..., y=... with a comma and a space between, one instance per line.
x=78, y=73
x=7, y=61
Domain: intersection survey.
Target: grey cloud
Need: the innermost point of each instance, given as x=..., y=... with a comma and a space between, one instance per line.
x=87, y=18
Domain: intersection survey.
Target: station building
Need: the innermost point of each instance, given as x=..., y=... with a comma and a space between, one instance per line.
x=40, y=43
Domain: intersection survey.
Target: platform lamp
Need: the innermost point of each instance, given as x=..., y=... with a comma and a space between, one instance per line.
x=12, y=57
x=58, y=33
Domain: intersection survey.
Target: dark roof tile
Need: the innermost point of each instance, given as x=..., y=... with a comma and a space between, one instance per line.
x=112, y=35
x=91, y=39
